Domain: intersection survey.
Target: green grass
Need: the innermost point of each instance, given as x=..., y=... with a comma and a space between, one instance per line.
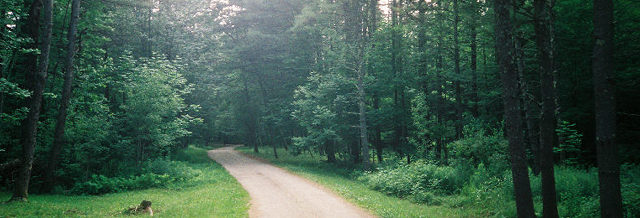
x=341, y=180
x=216, y=195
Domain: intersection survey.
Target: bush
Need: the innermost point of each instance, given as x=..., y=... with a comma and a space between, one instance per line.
x=176, y=170
x=418, y=181
x=478, y=148
x=577, y=191
x=630, y=187
x=156, y=174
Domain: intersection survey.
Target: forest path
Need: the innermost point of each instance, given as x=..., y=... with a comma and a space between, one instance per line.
x=277, y=193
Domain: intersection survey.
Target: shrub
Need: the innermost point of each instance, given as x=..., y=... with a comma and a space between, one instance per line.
x=478, y=148
x=156, y=174
x=418, y=181
x=176, y=170
x=630, y=187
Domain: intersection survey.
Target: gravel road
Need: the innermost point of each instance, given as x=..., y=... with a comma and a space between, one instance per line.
x=275, y=192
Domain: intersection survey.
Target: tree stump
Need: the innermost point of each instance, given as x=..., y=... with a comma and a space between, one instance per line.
x=144, y=207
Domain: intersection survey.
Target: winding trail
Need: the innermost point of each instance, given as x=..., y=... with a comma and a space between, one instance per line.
x=277, y=193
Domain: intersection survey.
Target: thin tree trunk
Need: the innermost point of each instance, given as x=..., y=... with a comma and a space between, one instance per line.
x=604, y=88
x=534, y=136
x=37, y=80
x=474, y=68
x=275, y=152
x=330, y=150
x=439, y=83
x=422, y=52
x=364, y=140
x=513, y=119
x=250, y=122
x=456, y=60
x=58, y=139
x=395, y=47
x=378, y=133
x=542, y=26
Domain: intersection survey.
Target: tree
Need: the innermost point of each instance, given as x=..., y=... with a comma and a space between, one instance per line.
x=456, y=60
x=512, y=116
x=542, y=25
x=357, y=41
x=603, y=86
x=473, y=34
x=58, y=139
x=37, y=81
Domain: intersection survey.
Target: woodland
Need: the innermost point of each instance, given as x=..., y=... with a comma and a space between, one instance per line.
x=461, y=103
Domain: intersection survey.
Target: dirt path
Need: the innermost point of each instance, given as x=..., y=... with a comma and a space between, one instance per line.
x=277, y=193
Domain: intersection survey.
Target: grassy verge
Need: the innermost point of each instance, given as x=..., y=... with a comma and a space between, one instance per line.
x=342, y=181
x=216, y=195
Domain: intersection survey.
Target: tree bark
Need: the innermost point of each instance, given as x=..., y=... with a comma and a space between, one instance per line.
x=542, y=27
x=604, y=88
x=513, y=119
x=37, y=81
x=58, y=140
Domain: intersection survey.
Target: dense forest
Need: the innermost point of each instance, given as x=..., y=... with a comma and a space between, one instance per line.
x=426, y=98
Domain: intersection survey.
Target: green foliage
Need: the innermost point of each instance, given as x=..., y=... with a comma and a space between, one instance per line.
x=630, y=180
x=346, y=181
x=418, y=181
x=157, y=174
x=317, y=109
x=480, y=148
x=216, y=193
x=570, y=141
x=154, y=114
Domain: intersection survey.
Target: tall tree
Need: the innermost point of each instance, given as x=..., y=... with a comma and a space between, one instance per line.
x=395, y=65
x=542, y=26
x=440, y=110
x=357, y=35
x=473, y=33
x=456, y=60
x=511, y=100
x=604, y=88
x=58, y=135
x=36, y=80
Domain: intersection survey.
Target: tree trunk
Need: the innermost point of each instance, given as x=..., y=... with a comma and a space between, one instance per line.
x=513, y=119
x=604, y=88
x=422, y=52
x=275, y=152
x=474, y=68
x=395, y=47
x=364, y=140
x=58, y=139
x=37, y=79
x=331, y=153
x=533, y=134
x=439, y=83
x=378, y=133
x=456, y=60
x=542, y=26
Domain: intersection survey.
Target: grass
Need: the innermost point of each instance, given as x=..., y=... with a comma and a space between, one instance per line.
x=216, y=195
x=342, y=181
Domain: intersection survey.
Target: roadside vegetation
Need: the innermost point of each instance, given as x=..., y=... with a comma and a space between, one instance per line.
x=419, y=189
x=190, y=185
